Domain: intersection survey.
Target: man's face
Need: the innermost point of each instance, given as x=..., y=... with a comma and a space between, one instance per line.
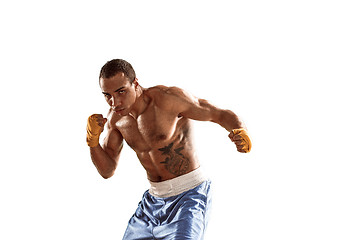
x=119, y=93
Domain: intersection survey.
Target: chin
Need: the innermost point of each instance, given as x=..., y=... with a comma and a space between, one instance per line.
x=122, y=112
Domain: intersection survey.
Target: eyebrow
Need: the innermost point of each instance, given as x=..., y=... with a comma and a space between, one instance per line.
x=117, y=90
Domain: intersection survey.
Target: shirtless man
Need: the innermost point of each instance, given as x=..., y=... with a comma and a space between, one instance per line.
x=156, y=123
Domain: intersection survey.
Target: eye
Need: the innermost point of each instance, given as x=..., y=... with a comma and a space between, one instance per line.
x=107, y=95
x=121, y=91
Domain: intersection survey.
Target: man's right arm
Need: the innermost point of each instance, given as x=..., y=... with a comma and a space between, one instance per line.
x=106, y=157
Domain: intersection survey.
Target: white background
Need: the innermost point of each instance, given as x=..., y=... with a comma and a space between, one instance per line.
x=290, y=69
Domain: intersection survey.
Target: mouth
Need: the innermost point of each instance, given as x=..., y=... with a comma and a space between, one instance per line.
x=119, y=110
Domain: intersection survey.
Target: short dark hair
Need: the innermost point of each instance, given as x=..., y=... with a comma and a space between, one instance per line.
x=113, y=67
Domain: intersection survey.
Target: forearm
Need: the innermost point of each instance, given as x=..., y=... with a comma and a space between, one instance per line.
x=228, y=120
x=103, y=162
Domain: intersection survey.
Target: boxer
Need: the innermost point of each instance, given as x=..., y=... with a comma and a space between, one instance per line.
x=156, y=123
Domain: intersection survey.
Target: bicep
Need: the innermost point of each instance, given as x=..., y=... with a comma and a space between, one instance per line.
x=200, y=109
x=113, y=143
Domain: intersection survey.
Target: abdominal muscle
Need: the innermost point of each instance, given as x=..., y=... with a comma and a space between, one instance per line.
x=174, y=159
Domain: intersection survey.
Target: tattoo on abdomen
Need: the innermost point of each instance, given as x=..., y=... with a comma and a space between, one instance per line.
x=175, y=161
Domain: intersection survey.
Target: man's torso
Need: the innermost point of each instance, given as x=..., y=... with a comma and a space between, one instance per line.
x=161, y=138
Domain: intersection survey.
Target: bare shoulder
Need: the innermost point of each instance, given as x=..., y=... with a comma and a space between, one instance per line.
x=171, y=99
x=168, y=95
x=156, y=90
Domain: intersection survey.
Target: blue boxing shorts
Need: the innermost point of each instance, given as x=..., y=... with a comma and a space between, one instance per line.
x=176, y=209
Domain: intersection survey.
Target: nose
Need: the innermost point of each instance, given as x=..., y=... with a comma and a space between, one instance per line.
x=115, y=102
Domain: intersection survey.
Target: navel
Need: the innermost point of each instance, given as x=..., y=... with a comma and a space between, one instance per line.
x=160, y=137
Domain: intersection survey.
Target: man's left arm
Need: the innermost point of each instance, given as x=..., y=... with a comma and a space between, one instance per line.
x=200, y=109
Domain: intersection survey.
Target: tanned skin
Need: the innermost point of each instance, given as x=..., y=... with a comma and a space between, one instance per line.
x=155, y=123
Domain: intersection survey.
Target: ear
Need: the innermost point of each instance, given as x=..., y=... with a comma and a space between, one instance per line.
x=136, y=83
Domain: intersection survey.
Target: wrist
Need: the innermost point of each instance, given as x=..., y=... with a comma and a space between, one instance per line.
x=92, y=141
x=238, y=130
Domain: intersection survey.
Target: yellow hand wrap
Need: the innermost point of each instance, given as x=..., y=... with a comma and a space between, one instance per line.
x=93, y=130
x=245, y=139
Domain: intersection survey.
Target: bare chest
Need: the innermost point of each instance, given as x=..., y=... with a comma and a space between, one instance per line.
x=150, y=130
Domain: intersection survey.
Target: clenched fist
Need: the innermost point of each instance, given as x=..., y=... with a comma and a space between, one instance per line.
x=95, y=126
x=241, y=139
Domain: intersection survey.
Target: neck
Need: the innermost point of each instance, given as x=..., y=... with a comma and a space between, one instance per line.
x=140, y=103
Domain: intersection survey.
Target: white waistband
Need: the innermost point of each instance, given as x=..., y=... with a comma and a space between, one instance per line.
x=177, y=185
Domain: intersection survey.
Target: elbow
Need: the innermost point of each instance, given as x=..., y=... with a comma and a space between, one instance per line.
x=108, y=174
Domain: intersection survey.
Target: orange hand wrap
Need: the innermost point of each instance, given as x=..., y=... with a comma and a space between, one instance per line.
x=245, y=139
x=94, y=129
